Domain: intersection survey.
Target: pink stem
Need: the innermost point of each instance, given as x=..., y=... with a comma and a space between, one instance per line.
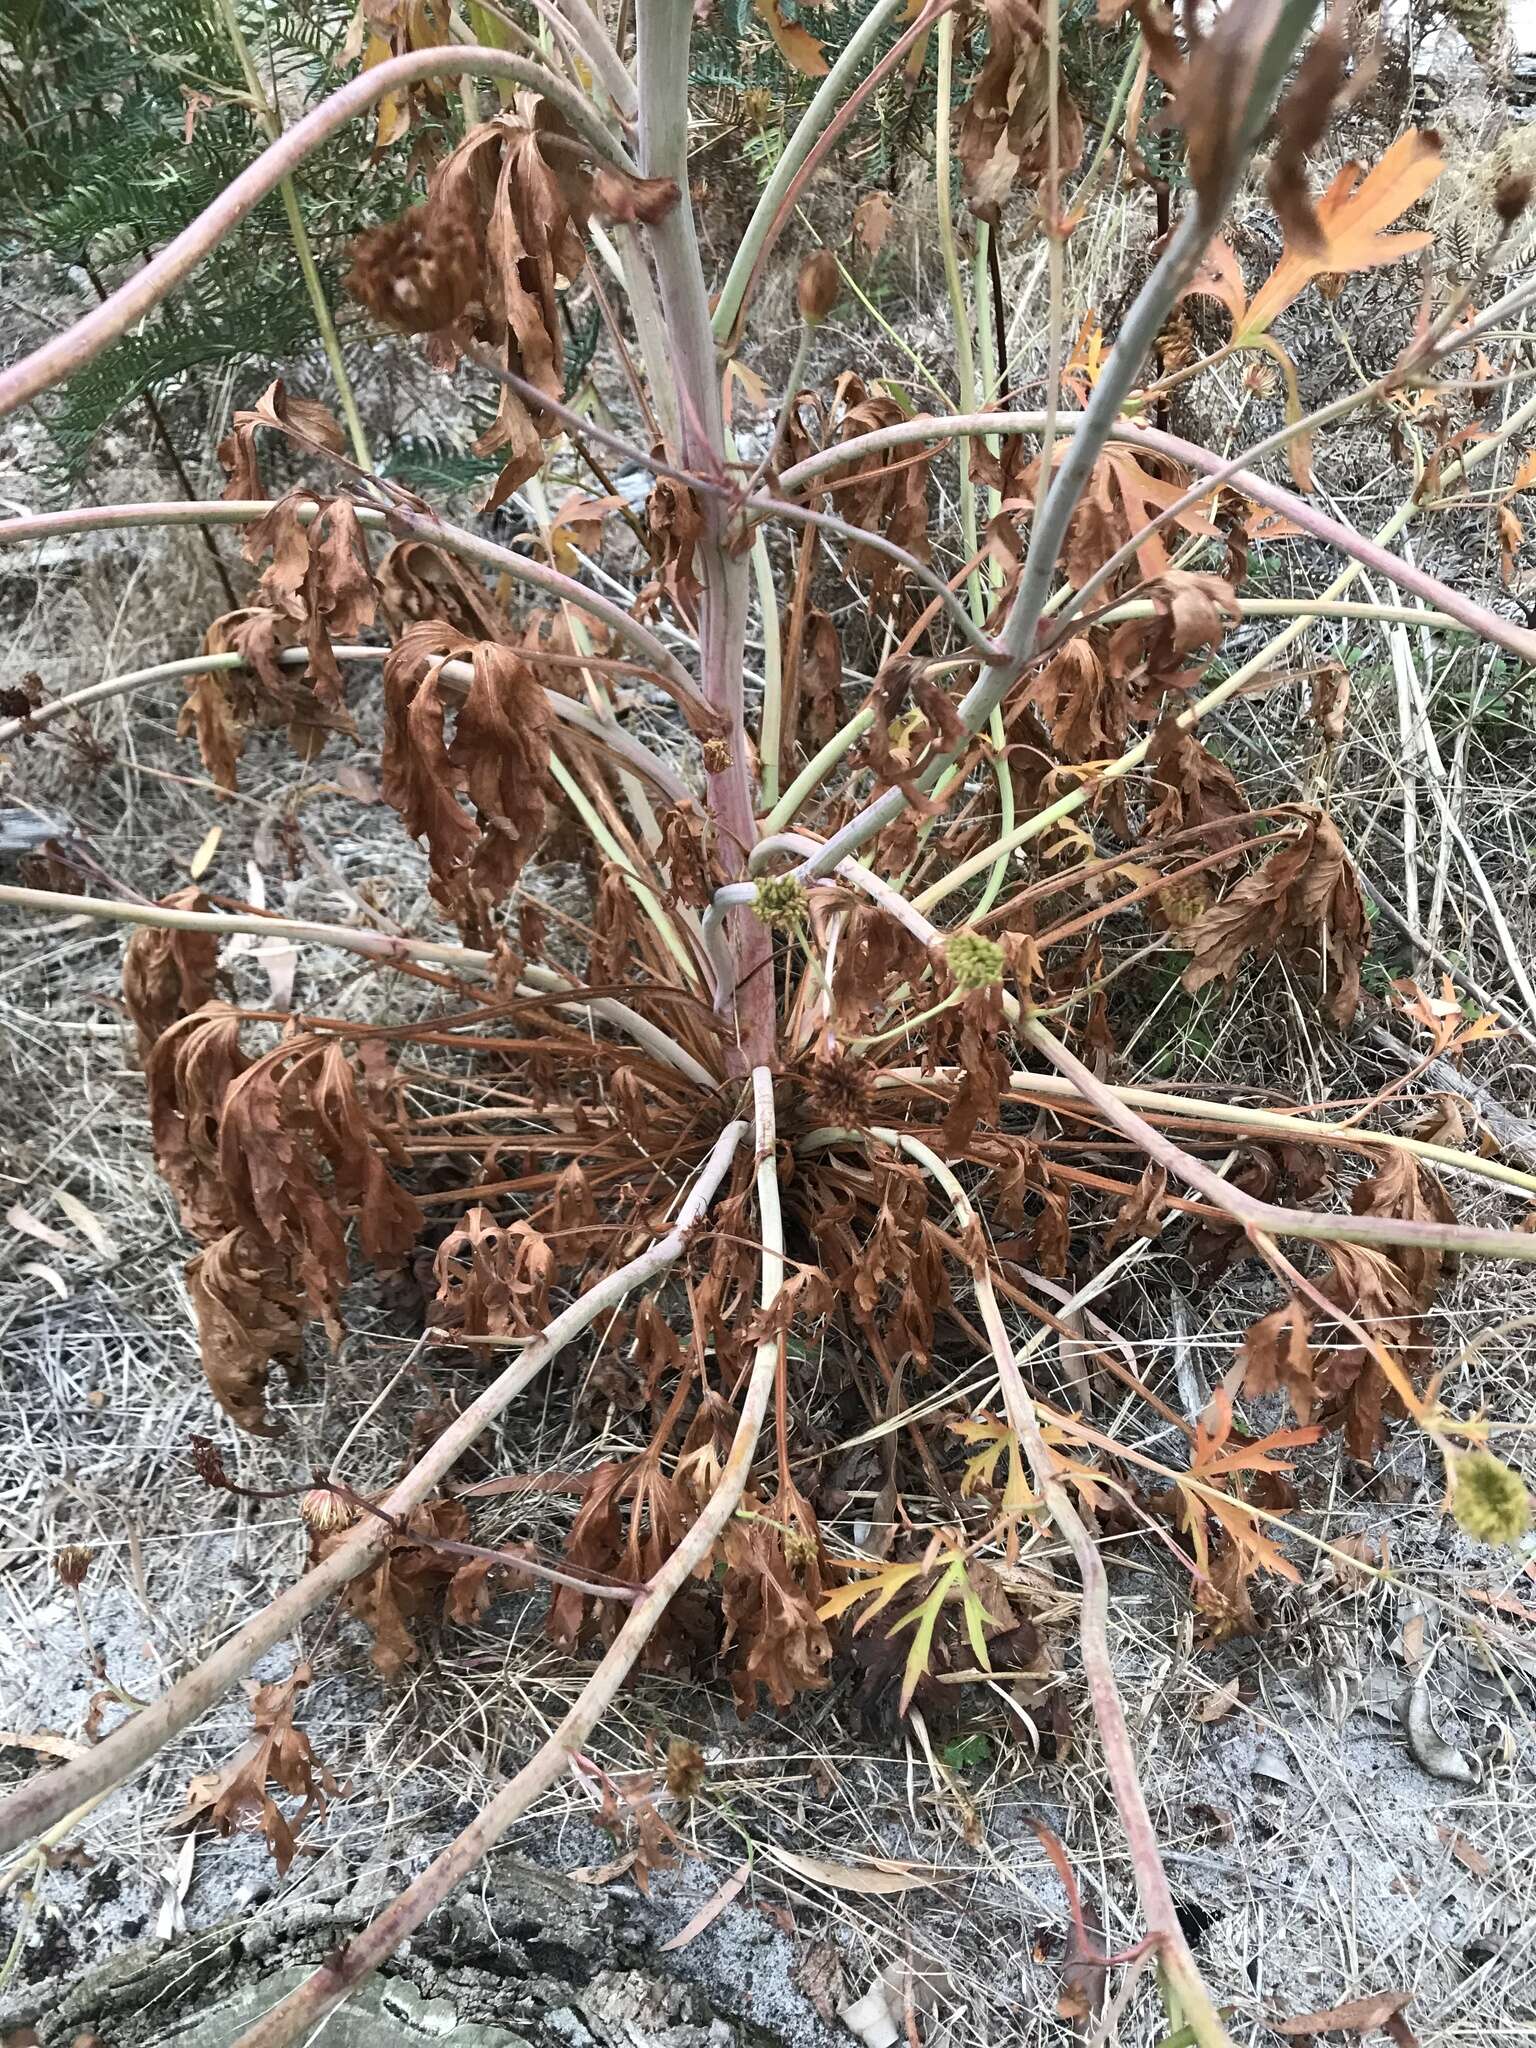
x=66, y=353
x=53, y=1794
x=1487, y=624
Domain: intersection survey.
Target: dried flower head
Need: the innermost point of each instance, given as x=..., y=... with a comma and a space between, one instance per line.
x=717, y=755
x=1491, y=1502
x=1512, y=195
x=322, y=1511
x=842, y=1091
x=686, y=1768
x=781, y=902
x=72, y=1563
x=820, y=287
x=1184, y=903
x=208, y=1462
x=973, y=961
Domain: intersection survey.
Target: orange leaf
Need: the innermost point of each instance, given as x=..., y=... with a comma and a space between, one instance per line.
x=1220, y=278
x=1352, y=214
x=797, y=46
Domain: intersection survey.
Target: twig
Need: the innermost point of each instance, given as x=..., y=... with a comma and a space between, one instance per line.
x=379, y=946
x=43, y=1801
x=320, y=1994
x=1196, y=2009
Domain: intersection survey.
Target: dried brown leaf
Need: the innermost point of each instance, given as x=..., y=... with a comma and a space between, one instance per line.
x=277, y=1753
x=167, y=974
x=248, y=1314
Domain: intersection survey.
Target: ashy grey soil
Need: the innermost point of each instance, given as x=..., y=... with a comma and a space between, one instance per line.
x=1347, y=1799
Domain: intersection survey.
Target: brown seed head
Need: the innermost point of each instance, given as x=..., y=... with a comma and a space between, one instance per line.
x=842, y=1092
x=820, y=287
x=322, y=1510
x=72, y=1563
x=1512, y=195
x=717, y=756
x=686, y=1768
x=208, y=1462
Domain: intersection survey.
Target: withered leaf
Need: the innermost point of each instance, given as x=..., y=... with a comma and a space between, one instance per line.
x=188, y=1072
x=301, y=1150
x=797, y=46
x=1301, y=119
x=406, y=1582
x=248, y=1314
x=1193, y=787
x=1304, y=898
x=1004, y=136
x=784, y=1643
x=167, y=974
x=305, y=421
x=499, y=756
x=276, y=1753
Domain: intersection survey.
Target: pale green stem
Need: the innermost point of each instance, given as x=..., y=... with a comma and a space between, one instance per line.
x=893, y=335
x=829, y=97
x=271, y=121
x=959, y=311
x=644, y=893
x=1197, y=1110
x=820, y=765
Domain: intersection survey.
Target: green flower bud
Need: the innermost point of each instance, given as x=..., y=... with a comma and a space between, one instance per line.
x=1490, y=1501
x=973, y=961
x=781, y=902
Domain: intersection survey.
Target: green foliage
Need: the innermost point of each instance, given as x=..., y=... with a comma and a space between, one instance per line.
x=122, y=120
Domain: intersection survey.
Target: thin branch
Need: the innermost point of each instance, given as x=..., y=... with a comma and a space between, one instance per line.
x=441, y=533
x=1255, y=1216
x=382, y=947
x=303, y=2009
x=47, y=1798
x=1196, y=2010
x=66, y=353
x=632, y=753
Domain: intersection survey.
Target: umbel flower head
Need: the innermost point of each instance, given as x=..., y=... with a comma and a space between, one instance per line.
x=973, y=961
x=72, y=1563
x=781, y=902
x=323, y=1510
x=1491, y=1502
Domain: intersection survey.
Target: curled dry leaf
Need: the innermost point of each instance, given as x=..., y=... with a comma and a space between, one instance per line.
x=1301, y=119
x=301, y=1148
x=319, y=577
x=485, y=254
x=1192, y=788
x=168, y=974
x=1004, y=135
x=888, y=496
x=770, y=1607
x=800, y=50
x=189, y=1071
x=407, y=1581
x=1304, y=899
x=248, y=1314
x=493, y=1280
x=1359, y=2016
x=276, y=1754
x=498, y=757
x=304, y=421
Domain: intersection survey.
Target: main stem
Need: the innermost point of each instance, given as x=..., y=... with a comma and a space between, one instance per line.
x=663, y=28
